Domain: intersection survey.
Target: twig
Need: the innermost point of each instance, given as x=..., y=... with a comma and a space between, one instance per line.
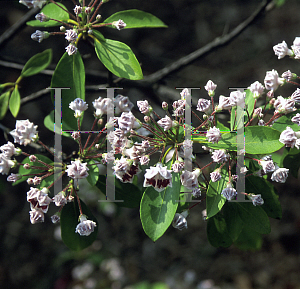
x=34, y=95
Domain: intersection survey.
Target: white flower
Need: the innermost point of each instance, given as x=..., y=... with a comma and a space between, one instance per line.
x=224, y=103
x=288, y=137
x=215, y=176
x=281, y=50
x=280, y=175
x=5, y=164
x=60, y=199
x=71, y=35
x=122, y=104
x=38, y=199
x=190, y=179
x=203, y=105
x=179, y=222
x=268, y=166
x=120, y=24
x=288, y=75
x=296, y=119
x=13, y=178
x=210, y=87
x=42, y=17
x=144, y=160
x=243, y=170
x=296, y=47
x=39, y=36
x=25, y=132
x=159, y=177
x=219, y=156
x=166, y=123
x=77, y=170
x=71, y=49
x=213, y=135
x=229, y=193
x=33, y=3
x=8, y=149
x=127, y=121
x=78, y=105
x=257, y=89
x=36, y=216
x=272, y=80
x=77, y=9
x=85, y=227
x=143, y=106
x=108, y=158
x=261, y=122
x=257, y=200
x=177, y=167
x=237, y=97
x=284, y=105
x=184, y=93
x=296, y=95
x=102, y=105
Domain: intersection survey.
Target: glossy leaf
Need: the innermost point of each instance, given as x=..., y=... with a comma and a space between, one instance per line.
x=214, y=200
x=4, y=99
x=53, y=11
x=15, y=102
x=281, y=123
x=291, y=161
x=118, y=58
x=69, y=73
x=127, y=192
x=249, y=240
x=136, y=19
x=37, y=63
x=46, y=182
x=258, y=140
x=69, y=221
x=158, y=209
x=93, y=173
x=256, y=185
x=233, y=221
x=217, y=232
x=254, y=217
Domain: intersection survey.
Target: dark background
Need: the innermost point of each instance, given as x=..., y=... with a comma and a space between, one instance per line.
x=32, y=256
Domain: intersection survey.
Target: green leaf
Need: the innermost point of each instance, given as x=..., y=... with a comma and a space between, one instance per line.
x=254, y=217
x=222, y=127
x=258, y=140
x=93, y=173
x=256, y=185
x=233, y=221
x=118, y=58
x=127, y=192
x=291, y=161
x=69, y=221
x=45, y=182
x=37, y=63
x=214, y=200
x=217, y=233
x=136, y=19
x=53, y=11
x=49, y=124
x=249, y=240
x=281, y=123
x=15, y=102
x=158, y=209
x=69, y=72
x=4, y=99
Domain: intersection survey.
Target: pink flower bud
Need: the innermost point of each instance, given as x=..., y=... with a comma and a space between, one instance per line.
x=120, y=24
x=85, y=227
x=210, y=87
x=213, y=135
x=203, y=105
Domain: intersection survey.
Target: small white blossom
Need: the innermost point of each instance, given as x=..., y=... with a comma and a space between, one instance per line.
x=243, y=170
x=284, y=105
x=166, y=123
x=224, y=103
x=229, y=193
x=237, y=97
x=77, y=9
x=42, y=17
x=38, y=199
x=219, y=156
x=210, y=87
x=39, y=36
x=85, y=227
x=288, y=75
x=8, y=149
x=143, y=106
x=13, y=178
x=261, y=122
x=213, y=135
x=280, y=175
x=272, y=80
x=184, y=93
x=257, y=89
x=25, y=132
x=144, y=160
x=33, y=3
x=158, y=177
x=77, y=170
x=179, y=222
x=71, y=35
x=36, y=216
x=122, y=104
x=60, y=199
x=5, y=164
x=288, y=137
x=203, y=105
x=102, y=105
x=215, y=176
x=120, y=24
x=268, y=166
x=177, y=167
x=296, y=119
x=127, y=121
x=281, y=50
x=296, y=47
x=190, y=179
x=257, y=200
x=71, y=49
x=296, y=95
x=78, y=105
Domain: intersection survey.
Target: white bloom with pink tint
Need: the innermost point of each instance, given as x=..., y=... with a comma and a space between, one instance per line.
x=296, y=95
x=272, y=80
x=78, y=105
x=127, y=121
x=25, y=132
x=237, y=97
x=8, y=149
x=224, y=103
x=296, y=119
x=13, y=177
x=158, y=177
x=36, y=216
x=60, y=199
x=39, y=199
x=215, y=176
x=77, y=170
x=268, y=166
x=5, y=164
x=284, y=105
x=281, y=50
x=280, y=175
x=288, y=137
x=71, y=35
x=33, y=3
x=213, y=135
x=85, y=227
x=166, y=123
x=257, y=89
x=203, y=105
x=122, y=104
x=296, y=47
x=71, y=49
x=102, y=105
x=184, y=93
x=219, y=156
x=190, y=179
x=120, y=24
x=143, y=106
x=210, y=88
